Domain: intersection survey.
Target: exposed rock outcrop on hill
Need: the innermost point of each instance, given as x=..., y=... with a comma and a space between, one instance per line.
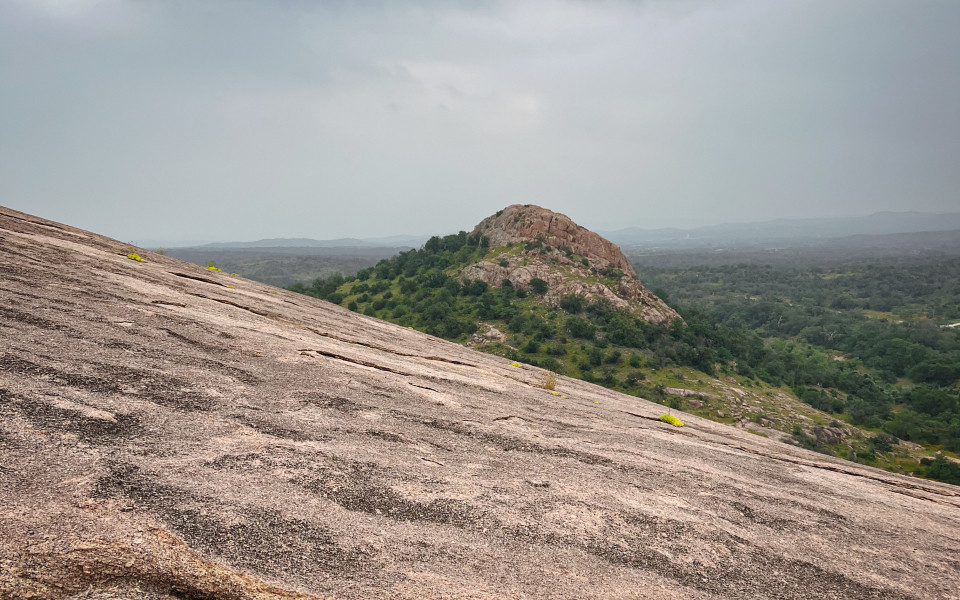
x=539, y=243
x=527, y=222
x=167, y=432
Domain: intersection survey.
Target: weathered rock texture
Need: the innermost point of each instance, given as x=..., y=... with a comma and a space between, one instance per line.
x=527, y=222
x=167, y=432
x=564, y=273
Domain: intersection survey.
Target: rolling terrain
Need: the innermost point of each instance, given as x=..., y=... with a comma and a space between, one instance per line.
x=170, y=432
x=285, y=265
x=533, y=286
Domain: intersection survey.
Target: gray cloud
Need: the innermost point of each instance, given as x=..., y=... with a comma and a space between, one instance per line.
x=239, y=120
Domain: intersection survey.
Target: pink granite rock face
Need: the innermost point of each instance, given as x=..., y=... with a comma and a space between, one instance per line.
x=564, y=276
x=527, y=222
x=171, y=433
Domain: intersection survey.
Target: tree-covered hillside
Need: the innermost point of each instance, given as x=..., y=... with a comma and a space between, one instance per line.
x=759, y=326
x=873, y=343
x=581, y=337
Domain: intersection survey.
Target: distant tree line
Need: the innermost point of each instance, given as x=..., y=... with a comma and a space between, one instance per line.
x=861, y=341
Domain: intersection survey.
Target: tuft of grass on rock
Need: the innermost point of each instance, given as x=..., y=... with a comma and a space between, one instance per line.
x=548, y=381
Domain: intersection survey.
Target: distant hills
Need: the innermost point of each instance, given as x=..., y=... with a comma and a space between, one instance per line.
x=778, y=231
x=902, y=248
x=283, y=261
x=284, y=265
x=393, y=241
x=408, y=241
x=764, y=233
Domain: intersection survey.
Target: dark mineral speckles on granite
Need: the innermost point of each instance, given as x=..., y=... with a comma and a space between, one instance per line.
x=166, y=437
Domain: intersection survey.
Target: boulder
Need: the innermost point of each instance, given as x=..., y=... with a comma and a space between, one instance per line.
x=827, y=435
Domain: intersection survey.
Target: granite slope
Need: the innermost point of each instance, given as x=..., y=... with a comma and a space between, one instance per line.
x=171, y=432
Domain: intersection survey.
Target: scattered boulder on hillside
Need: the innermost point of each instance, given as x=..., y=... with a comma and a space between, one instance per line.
x=828, y=435
x=488, y=333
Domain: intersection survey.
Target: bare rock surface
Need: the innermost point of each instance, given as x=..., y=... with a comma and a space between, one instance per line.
x=527, y=222
x=167, y=432
x=596, y=256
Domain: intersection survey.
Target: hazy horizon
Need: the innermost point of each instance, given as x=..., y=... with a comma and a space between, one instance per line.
x=215, y=121
x=397, y=238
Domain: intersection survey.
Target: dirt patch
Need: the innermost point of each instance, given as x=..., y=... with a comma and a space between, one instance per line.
x=358, y=487
x=208, y=348
x=10, y=363
x=321, y=400
x=741, y=570
x=250, y=538
x=510, y=444
x=159, y=388
x=46, y=417
x=11, y=314
x=283, y=432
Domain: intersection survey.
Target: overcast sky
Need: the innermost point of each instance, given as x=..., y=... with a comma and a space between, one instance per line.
x=242, y=120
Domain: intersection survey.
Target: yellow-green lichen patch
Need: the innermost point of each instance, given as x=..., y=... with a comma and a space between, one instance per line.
x=672, y=420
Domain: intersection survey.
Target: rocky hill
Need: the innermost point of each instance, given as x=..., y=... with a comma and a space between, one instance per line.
x=536, y=243
x=169, y=432
x=527, y=222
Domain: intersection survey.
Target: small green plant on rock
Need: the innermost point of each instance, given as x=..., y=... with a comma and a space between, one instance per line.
x=548, y=380
x=213, y=267
x=135, y=257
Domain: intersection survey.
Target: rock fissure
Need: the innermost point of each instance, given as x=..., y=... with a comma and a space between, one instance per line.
x=804, y=463
x=198, y=278
x=378, y=347
x=232, y=303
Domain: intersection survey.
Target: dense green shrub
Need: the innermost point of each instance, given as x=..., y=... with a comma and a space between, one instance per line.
x=944, y=470
x=573, y=304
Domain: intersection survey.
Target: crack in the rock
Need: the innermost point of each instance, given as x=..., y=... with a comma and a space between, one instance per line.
x=511, y=417
x=197, y=278
x=826, y=467
x=425, y=387
x=370, y=345
x=357, y=361
x=58, y=228
x=168, y=303
x=232, y=303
